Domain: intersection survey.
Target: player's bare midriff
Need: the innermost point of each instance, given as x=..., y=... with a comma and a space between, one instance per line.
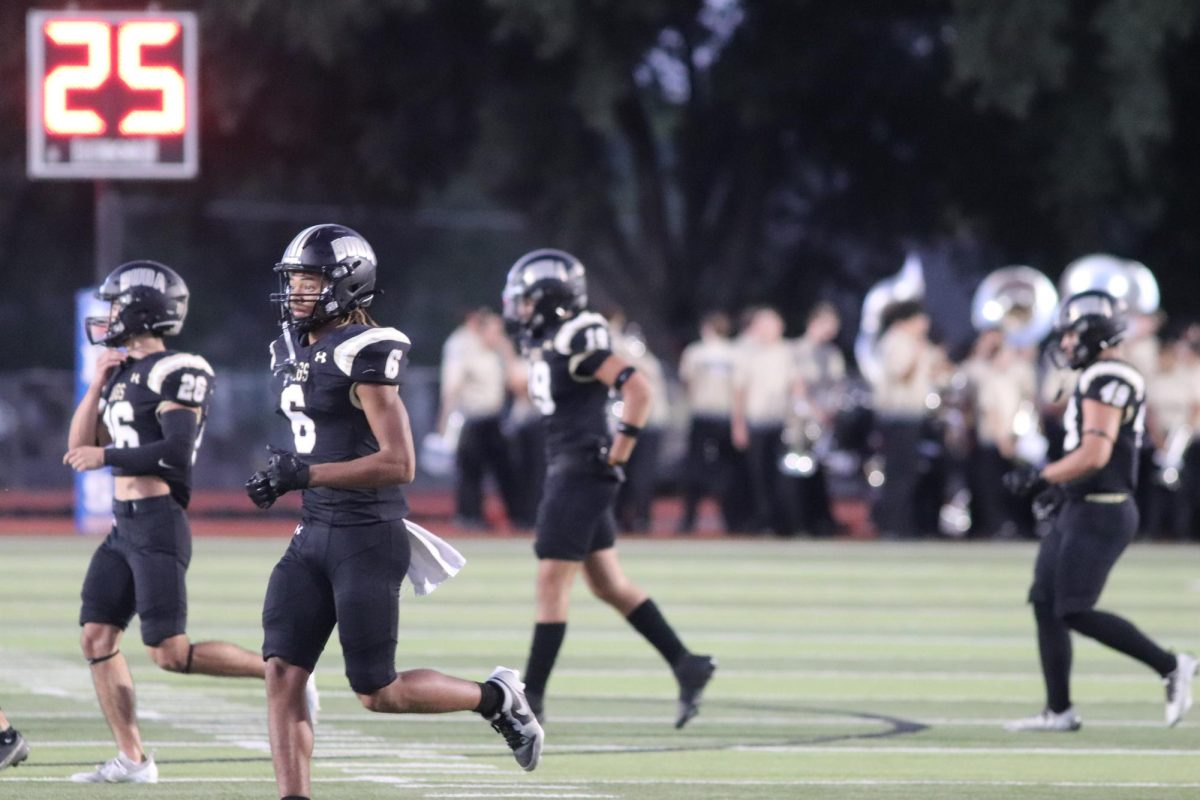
x=139, y=487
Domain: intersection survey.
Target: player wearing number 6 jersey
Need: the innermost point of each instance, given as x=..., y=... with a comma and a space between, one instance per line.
x=1087, y=495
x=338, y=376
x=571, y=370
x=153, y=403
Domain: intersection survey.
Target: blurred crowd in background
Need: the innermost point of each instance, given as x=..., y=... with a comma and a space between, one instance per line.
x=753, y=430
x=783, y=439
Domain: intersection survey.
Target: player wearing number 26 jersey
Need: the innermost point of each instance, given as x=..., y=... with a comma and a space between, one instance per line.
x=338, y=376
x=152, y=403
x=1087, y=497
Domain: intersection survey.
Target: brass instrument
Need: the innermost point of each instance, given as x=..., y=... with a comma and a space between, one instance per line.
x=1018, y=300
x=1022, y=303
x=1168, y=460
x=802, y=436
x=1130, y=282
x=907, y=284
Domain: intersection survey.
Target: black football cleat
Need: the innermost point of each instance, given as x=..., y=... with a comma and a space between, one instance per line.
x=693, y=673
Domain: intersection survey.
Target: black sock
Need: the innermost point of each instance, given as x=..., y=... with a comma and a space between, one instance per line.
x=547, y=639
x=491, y=698
x=295, y=797
x=1054, y=648
x=1121, y=635
x=649, y=622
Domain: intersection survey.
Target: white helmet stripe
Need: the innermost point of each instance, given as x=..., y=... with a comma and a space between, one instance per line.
x=292, y=254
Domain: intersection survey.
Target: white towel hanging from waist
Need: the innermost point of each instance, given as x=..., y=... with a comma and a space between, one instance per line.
x=432, y=560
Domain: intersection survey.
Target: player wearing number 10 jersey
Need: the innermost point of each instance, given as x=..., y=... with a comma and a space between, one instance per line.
x=571, y=370
x=338, y=376
x=153, y=403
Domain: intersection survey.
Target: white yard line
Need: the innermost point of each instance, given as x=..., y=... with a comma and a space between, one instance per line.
x=832, y=782
x=230, y=724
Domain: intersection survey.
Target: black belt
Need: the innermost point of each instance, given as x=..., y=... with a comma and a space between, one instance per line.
x=127, y=508
x=1106, y=497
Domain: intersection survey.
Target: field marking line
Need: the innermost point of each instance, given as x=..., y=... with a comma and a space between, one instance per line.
x=229, y=723
x=832, y=782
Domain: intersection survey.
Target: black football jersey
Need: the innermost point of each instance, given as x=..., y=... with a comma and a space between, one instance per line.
x=131, y=399
x=317, y=398
x=1120, y=385
x=562, y=365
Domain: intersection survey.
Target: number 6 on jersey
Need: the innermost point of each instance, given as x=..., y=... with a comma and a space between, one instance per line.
x=304, y=432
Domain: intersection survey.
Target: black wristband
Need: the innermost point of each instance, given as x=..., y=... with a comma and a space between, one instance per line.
x=628, y=429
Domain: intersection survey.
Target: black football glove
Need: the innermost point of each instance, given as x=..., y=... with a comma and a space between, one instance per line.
x=1047, y=502
x=258, y=488
x=286, y=471
x=1024, y=480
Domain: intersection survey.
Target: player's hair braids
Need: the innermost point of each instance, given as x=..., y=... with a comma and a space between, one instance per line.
x=358, y=316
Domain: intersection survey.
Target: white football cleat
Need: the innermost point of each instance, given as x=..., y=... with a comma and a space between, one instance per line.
x=515, y=720
x=121, y=770
x=1179, y=688
x=13, y=748
x=1046, y=722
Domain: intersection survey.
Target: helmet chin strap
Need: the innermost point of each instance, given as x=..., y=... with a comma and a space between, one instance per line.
x=289, y=364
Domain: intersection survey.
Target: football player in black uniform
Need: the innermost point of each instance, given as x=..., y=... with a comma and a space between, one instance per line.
x=338, y=376
x=571, y=370
x=153, y=403
x=1088, y=496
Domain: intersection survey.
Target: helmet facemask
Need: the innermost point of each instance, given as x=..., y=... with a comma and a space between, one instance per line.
x=552, y=282
x=324, y=306
x=143, y=297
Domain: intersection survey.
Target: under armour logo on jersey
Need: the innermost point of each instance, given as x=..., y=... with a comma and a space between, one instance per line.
x=320, y=357
x=135, y=378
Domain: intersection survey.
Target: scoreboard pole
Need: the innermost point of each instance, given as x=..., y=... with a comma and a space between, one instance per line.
x=110, y=228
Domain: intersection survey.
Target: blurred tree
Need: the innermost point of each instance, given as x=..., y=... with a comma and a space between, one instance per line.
x=1090, y=84
x=694, y=153
x=718, y=153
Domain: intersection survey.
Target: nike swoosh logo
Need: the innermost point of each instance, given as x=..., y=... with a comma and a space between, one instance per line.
x=164, y=464
x=522, y=713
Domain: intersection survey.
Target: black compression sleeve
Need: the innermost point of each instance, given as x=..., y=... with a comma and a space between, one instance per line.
x=173, y=451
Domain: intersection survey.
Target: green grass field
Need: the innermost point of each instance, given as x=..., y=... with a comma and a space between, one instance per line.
x=848, y=670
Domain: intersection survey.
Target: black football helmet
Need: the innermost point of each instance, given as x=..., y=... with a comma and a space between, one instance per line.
x=343, y=258
x=143, y=297
x=553, y=280
x=1098, y=320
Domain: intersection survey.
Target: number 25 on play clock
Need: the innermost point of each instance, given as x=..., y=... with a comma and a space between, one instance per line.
x=112, y=94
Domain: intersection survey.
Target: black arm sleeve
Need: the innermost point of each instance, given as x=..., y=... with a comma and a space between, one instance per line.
x=173, y=451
